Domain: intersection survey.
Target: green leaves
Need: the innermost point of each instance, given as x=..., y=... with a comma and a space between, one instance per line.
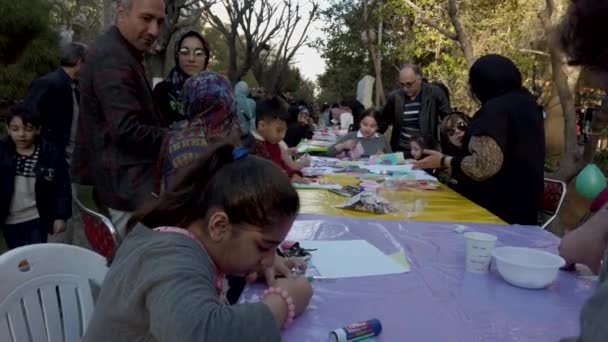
x=28, y=45
x=508, y=27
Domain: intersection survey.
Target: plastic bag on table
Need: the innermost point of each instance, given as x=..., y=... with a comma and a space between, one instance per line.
x=368, y=202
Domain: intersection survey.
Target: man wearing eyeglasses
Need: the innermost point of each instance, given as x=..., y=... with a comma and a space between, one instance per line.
x=120, y=131
x=415, y=108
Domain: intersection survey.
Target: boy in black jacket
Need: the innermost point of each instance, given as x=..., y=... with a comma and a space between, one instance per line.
x=35, y=193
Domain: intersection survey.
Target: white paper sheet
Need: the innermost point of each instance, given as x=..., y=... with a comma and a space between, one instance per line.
x=399, y=169
x=389, y=168
x=351, y=258
x=318, y=186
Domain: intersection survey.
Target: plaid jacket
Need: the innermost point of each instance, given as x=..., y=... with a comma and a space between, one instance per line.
x=119, y=130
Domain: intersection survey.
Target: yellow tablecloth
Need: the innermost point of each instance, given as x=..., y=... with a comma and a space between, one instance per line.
x=437, y=205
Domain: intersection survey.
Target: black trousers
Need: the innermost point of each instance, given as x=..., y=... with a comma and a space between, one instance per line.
x=25, y=233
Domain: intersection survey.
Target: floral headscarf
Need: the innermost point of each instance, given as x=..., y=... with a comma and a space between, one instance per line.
x=209, y=96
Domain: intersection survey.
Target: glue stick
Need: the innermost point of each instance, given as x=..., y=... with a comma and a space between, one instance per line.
x=356, y=332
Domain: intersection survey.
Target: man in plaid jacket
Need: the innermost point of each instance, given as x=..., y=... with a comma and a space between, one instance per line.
x=120, y=132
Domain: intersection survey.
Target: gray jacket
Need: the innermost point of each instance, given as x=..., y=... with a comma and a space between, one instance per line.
x=371, y=146
x=435, y=105
x=160, y=289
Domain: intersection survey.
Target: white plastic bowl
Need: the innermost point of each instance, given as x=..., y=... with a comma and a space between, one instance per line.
x=527, y=267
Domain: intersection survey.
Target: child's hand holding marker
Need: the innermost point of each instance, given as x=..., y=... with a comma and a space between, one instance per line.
x=283, y=267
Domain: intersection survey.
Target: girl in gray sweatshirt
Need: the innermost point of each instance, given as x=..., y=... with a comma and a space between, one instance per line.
x=371, y=141
x=167, y=280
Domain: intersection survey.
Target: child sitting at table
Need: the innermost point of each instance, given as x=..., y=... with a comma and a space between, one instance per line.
x=371, y=141
x=419, y=143
x=271, y=125
x=227, y=215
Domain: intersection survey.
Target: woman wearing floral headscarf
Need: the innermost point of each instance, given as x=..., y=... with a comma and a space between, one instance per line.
x=209, y=109
x=191, y=58
x=208, y=97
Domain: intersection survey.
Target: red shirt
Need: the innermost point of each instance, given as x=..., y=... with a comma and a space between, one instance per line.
x=270, y=151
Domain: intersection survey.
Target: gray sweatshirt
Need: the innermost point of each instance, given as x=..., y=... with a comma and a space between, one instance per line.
x=371, y=146
x=160, y=288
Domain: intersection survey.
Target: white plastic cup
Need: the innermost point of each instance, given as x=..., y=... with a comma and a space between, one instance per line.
x=479, y=251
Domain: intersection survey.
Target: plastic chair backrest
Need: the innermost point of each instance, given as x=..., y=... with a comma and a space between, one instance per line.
x=47, y=292
x=99, y=230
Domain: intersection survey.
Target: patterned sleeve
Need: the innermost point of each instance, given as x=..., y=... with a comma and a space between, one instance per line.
x=485, y=160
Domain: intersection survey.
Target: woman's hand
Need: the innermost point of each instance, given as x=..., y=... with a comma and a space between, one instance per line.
x=432, y=160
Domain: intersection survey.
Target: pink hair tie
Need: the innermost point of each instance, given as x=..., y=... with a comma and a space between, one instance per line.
x=291, y=308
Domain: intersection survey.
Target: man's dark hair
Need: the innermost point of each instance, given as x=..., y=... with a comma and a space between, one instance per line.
x=271, y=109
x=583, y=31
x=26, y=115
x=72, y=53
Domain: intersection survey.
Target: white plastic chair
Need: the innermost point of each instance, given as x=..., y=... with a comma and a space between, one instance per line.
x=47, y=292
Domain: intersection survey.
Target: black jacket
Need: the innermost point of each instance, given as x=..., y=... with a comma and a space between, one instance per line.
x=435, y=105
x=510, y=115
x=51, y=97
x=53, y=192
x=120, y=132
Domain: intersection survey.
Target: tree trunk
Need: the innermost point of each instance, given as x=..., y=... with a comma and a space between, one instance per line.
x=565, y=80
x=369, y=41
x=462, y=37
x=109, y=13
x=554, y=125
x=459, y=33
x=233, y=58
x=380, y=98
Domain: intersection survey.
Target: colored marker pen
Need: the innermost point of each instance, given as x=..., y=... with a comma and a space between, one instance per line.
x=356, y=332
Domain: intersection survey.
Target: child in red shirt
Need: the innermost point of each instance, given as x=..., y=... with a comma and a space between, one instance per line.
x=271, y=126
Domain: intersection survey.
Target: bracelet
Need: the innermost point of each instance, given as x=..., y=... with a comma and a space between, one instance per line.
x=291, y=308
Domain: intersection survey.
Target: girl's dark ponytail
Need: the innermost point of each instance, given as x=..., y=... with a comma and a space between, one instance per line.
x=174, y=207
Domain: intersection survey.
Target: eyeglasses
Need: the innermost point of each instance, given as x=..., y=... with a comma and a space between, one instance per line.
x=409, y=84
x=461, y=126
x=197, y=52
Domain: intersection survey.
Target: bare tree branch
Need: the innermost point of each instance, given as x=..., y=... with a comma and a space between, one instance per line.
x=535, y=52
x=461, y=36
x=428, y=22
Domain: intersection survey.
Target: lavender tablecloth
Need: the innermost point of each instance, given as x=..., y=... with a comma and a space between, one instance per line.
x=437, y=300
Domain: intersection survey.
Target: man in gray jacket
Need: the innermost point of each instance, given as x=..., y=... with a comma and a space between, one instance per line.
x=416, y=108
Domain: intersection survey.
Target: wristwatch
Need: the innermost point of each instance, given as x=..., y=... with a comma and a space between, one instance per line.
x=443, y=161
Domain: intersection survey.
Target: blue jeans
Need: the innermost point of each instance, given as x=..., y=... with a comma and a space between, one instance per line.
x=25, y=233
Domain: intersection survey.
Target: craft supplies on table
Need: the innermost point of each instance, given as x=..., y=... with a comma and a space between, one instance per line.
x=368, y=202
x=356, y=332
x=350, y=258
